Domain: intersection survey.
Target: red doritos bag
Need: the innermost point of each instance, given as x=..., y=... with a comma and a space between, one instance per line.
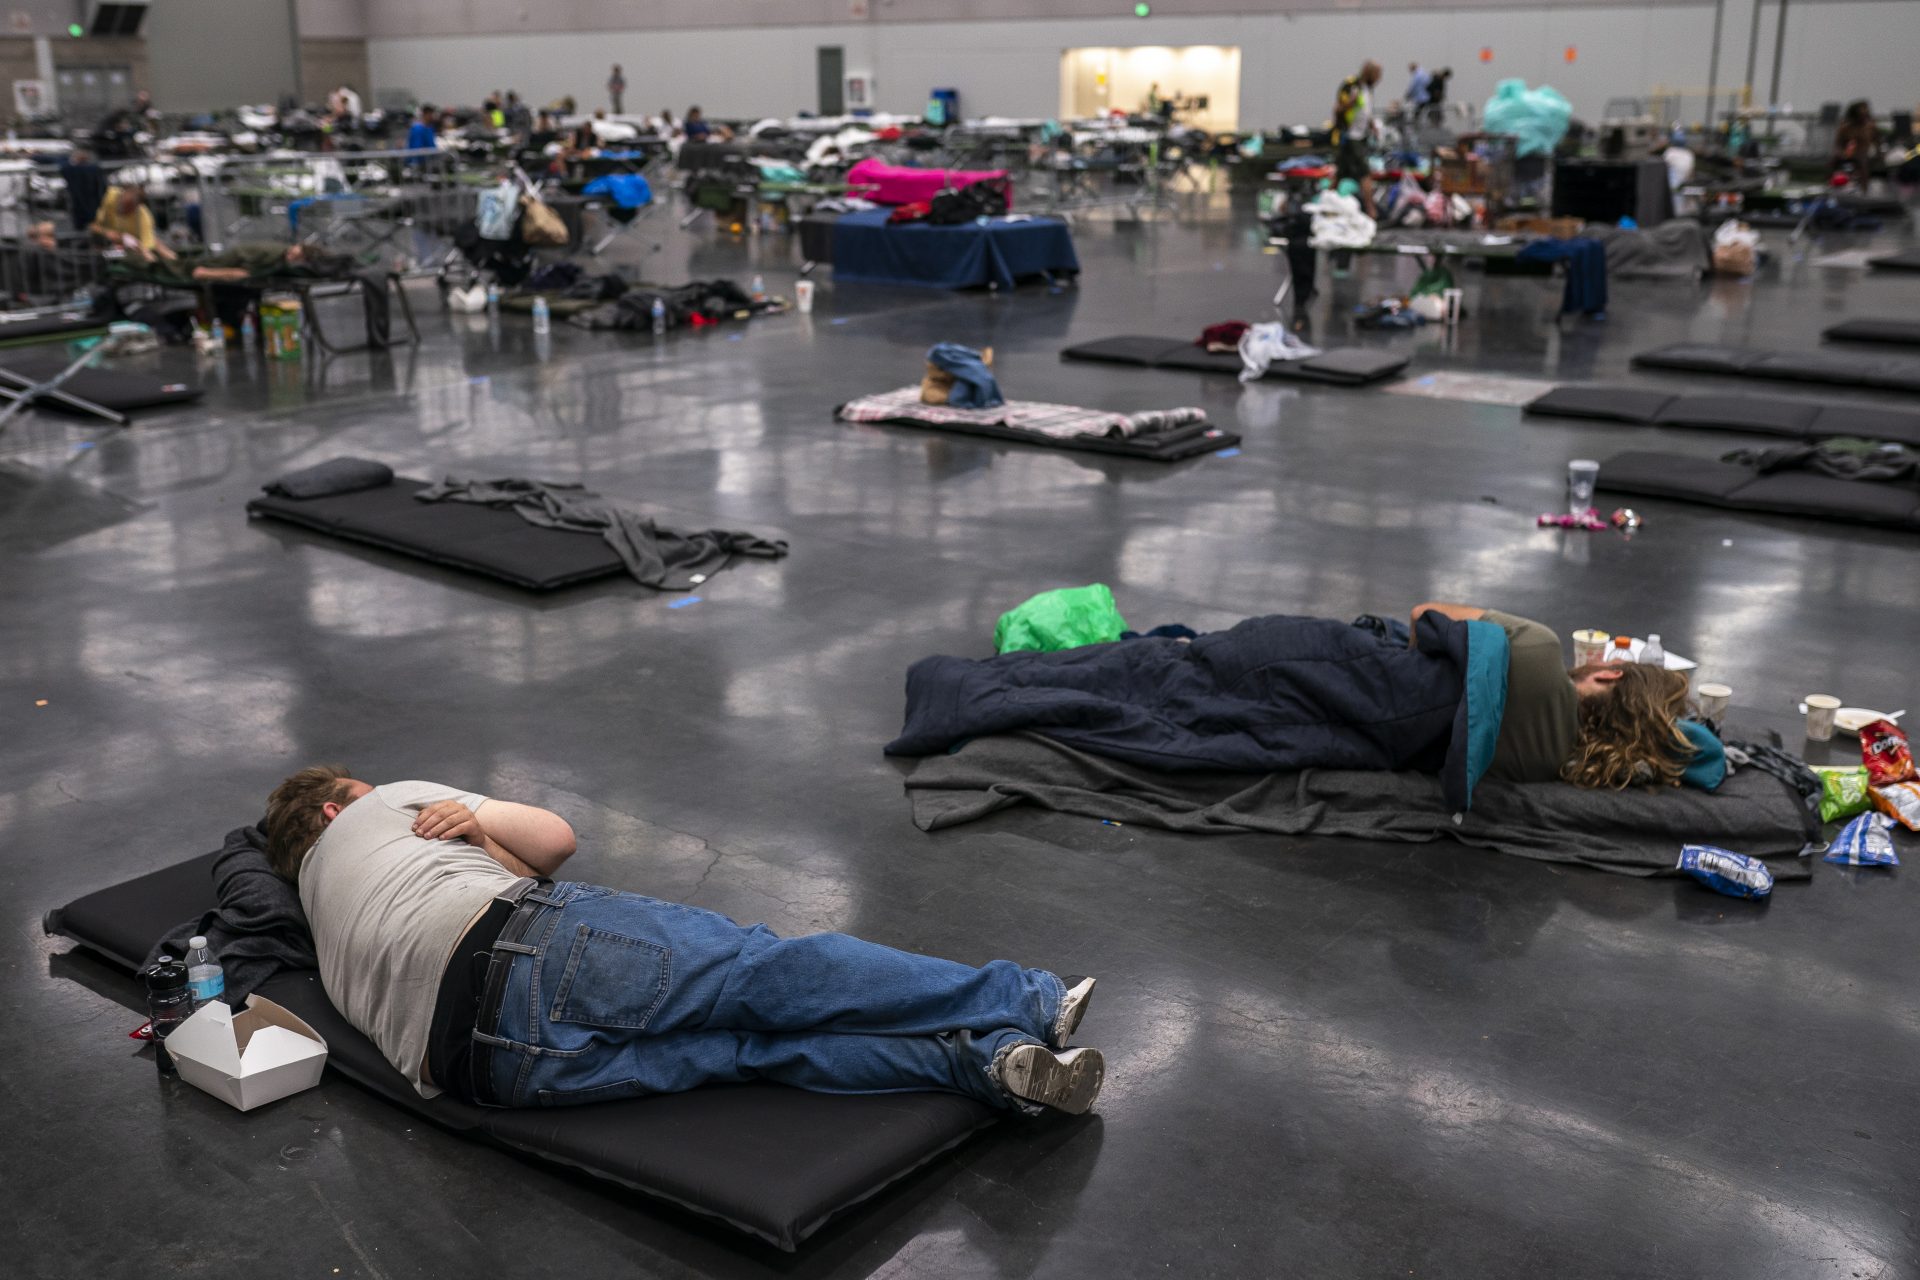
x=1884, y=750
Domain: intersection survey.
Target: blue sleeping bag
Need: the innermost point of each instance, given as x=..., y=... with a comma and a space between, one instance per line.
x=1271, y=694
x=626, y=190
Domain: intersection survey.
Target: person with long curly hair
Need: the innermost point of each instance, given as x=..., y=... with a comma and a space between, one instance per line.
x=1608, y=726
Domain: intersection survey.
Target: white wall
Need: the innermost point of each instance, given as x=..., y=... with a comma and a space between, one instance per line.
x=1291, y=61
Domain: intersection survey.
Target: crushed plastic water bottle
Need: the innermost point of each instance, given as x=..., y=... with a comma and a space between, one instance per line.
x=542, y=317
x=759, y=288
x=1723, y=871
x=659, y=317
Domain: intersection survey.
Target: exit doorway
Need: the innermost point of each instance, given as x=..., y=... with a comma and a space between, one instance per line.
x=833, y=80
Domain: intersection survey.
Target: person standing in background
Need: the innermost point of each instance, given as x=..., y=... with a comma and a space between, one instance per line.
x=86, y=187
x=1419, y=81
x=424, y=135
x=616, y=88
x=1353, y=128
x=1437, y=92
x=1856, y=143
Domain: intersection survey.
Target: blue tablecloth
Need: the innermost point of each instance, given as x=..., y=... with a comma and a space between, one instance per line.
x=868, y=250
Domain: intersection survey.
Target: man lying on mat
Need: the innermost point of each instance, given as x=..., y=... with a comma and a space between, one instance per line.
x=441, y=938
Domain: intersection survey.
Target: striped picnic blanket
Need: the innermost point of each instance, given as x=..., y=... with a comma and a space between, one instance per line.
x=1057, y=421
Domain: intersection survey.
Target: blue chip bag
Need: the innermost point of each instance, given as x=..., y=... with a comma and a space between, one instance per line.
x=1867, y=841
x=1723, y=871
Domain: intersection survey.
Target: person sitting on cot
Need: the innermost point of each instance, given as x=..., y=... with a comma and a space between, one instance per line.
x=441, y=937
x=124, y=222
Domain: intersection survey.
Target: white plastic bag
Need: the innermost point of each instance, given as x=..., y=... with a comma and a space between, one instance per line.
x=1262, y=344
x=498, y=209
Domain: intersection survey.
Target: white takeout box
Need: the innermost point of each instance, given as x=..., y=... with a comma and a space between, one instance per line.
x=250, y=1058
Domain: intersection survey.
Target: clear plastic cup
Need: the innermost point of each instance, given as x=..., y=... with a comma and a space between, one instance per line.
x=1820, y=709
x=1581, y=475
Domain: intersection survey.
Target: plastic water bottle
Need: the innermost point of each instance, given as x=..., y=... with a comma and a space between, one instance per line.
x=542, y=318
x=248, y=338
x=1622, y=650
x=759, y=288
x=205, y=979
x=1651, y=654
x=493, y=298
x=659, y=317
x=168, y=1004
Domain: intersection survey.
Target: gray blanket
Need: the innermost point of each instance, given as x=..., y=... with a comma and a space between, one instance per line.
x=1674, y=250
x=656, y=556
x=1632, y=832
x=259, y=927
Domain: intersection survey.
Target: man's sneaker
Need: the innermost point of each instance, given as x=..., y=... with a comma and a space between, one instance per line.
x=1073, y=1007
x=1067, y=1081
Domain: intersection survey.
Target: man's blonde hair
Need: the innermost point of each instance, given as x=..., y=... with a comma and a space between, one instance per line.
x=294, y=819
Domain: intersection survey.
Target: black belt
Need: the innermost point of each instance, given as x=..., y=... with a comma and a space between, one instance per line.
x=473, y=987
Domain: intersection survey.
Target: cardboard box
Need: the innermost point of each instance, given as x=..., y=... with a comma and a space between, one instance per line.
x=250, y=1058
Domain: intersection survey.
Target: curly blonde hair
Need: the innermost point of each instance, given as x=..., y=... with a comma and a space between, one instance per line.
x=1630, y=734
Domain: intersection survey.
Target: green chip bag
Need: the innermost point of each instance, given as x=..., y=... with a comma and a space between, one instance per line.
x=1843, y=794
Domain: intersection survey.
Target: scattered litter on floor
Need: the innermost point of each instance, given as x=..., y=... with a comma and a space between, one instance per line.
x=1474, y=388
x=39, y=702
x=1227, y=453
x=683, y=602
x=1867, y=841
x=1723, y=871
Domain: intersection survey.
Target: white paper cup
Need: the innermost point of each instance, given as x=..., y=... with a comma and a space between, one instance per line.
x=1713, y=699
x=1820, y=709
x=803, y=295
x=1590, y=647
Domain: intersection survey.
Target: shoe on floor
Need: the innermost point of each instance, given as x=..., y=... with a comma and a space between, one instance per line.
x=1073, y=1007
x=1066, y=1081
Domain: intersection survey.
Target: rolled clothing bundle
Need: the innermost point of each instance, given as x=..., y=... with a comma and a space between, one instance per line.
x=335, y=475
x=959, y=376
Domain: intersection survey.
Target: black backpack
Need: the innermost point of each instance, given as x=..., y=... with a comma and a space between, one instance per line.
x=987, y=198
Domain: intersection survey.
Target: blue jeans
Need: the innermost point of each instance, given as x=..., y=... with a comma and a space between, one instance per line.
x=623, y=995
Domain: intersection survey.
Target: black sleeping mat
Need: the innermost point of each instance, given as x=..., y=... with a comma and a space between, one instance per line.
x=1344, y=366
x=1740, y=488
x=1907, y=260
x=1171, y=446
x=773, y=1162
x=121, y=389
x=1845, y=368
x=1771, y=416
x=1899, y=333
x=60, y=324
x=462, y=535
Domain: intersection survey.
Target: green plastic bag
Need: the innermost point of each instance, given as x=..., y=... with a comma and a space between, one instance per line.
x=1435, y=279
x=1063, y=619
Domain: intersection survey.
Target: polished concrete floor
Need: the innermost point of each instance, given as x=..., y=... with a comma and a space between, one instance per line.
x=1326, y=1059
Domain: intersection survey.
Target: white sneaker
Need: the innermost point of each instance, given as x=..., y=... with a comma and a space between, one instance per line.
x=1067, y=1081
x=1073, y=1007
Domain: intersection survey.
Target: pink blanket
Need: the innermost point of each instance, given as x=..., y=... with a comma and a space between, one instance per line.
x=896, y=184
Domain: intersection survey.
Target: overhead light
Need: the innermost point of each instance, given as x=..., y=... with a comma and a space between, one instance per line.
x=1142, y=9
x=75, y=30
